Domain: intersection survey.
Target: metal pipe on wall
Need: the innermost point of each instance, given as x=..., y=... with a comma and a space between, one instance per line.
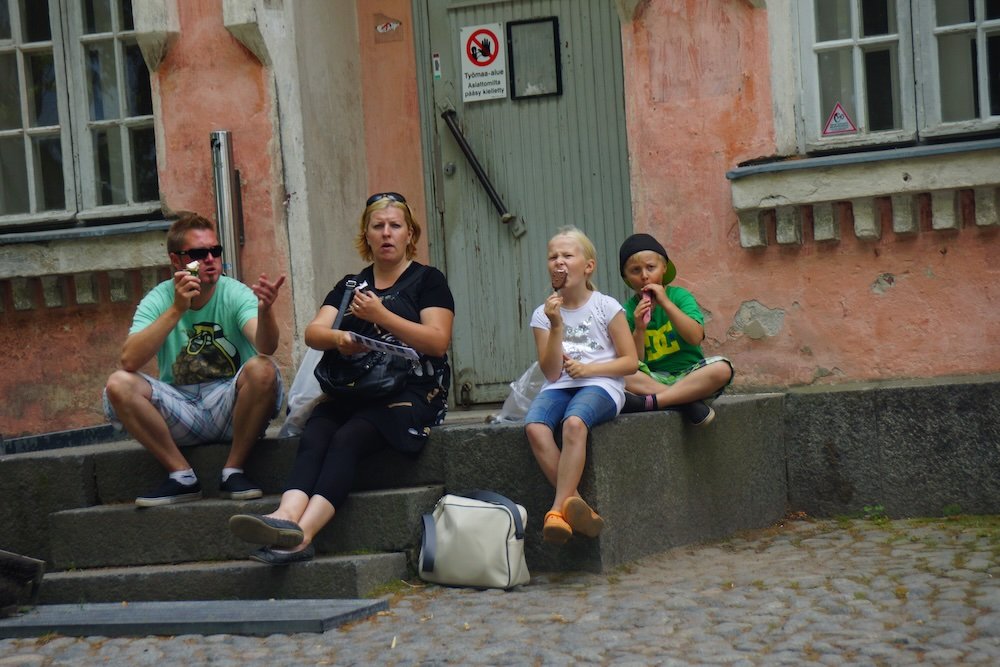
x=228, y=204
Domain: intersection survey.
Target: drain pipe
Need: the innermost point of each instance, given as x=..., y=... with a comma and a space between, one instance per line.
x=228, y=202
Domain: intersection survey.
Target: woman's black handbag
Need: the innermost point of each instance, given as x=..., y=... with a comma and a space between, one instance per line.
x=372, y=374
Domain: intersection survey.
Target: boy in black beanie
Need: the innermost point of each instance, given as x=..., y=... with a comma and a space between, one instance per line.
x=667, y=327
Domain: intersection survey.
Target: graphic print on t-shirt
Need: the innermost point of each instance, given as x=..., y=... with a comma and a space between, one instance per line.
x=577, y=338
x=207, y=356
x=661, y=342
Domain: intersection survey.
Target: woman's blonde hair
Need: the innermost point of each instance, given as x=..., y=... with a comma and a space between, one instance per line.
x=589, y=251
x=361, y=242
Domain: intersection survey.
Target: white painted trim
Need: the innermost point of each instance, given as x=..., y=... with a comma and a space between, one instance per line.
x=240, y=19
x=156, y=29
x=82, y=255
x=842, y=182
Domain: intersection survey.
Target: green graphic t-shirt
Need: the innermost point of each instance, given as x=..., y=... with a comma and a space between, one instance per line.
x=666, y=351
x=208, y=343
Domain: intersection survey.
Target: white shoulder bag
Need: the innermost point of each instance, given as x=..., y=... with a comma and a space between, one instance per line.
x=475, y=540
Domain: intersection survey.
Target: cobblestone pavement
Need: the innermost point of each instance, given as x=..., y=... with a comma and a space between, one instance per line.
x=860, y=592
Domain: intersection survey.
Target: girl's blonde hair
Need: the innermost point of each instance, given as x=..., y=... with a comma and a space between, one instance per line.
x=589, y=252
x=361, y=242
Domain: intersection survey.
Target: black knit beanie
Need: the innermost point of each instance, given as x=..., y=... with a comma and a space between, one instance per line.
x=639, y=243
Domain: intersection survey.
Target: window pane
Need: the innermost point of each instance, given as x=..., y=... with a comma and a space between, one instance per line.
x=950, y=12
x=35, y=21
x=5, y=32
x=881, y=89
x=49, y=173
x=992, y=9
x=108, y=167
x=97, y=16
x=10, y=93
x=13, y=177
x=878, y=17
x=833, y=20
x=140, y=101
x=959, y=87
x=147, y=187
x=102, y=82
x=993, y=72
x=836, y=84
x=127, y=22
x=40, y=72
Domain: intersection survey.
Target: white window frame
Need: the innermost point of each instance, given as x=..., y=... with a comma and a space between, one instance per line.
x=919, y=79
x=80, y=178
x=814, y=118
x=929, y=88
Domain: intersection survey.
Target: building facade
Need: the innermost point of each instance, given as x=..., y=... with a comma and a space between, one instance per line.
x=825, y=175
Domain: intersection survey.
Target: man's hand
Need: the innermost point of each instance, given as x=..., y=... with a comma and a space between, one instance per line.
x=186, y=287
x=266, y=291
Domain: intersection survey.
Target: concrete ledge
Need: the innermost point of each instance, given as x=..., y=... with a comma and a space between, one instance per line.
x=919, y=448
x=657, y=482
x=915, y=448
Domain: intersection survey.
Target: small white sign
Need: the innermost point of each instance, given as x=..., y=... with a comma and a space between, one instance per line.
x=839, y=122
x=484, y=63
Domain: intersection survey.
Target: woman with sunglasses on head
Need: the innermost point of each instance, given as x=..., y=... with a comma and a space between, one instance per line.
x=414, y=304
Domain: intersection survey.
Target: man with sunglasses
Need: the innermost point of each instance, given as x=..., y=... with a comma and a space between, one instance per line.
x=208, y=333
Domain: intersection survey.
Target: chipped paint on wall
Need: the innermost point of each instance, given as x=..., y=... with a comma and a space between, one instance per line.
x=757, y=321
x=883, y=283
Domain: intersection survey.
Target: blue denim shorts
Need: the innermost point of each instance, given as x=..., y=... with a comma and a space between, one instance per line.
x=591, y=404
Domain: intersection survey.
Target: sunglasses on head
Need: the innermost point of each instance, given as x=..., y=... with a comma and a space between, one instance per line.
x=201, y=253
x=391, y=196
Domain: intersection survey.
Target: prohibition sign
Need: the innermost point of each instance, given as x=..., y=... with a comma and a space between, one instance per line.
x=482, y=47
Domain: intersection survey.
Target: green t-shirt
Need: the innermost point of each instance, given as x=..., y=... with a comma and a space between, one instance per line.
x=666, y=351
x=208, y=343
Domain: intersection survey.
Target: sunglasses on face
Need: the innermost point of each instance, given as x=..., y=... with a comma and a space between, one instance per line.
x=391, y=196
x=201, y=253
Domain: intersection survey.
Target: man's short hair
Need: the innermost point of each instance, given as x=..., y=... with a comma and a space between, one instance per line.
x=185, y=222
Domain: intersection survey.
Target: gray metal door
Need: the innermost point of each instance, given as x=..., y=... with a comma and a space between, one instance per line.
x=553, y=160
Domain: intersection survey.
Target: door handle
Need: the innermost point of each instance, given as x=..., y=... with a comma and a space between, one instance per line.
x=451, y=120
x=449, y=169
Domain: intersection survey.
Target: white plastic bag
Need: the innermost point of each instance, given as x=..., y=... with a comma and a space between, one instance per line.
x=522, y=393
x=303, y=395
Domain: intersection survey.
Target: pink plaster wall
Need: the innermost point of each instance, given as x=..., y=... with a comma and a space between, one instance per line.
x=391, y=106
x=209, y=81
x=53, y=376
x=698, y=102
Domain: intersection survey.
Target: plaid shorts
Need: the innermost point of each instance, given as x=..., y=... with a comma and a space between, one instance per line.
x=197, y=413
x=672, y=378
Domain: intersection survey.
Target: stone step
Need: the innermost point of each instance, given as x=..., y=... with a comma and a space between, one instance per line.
x=124, y=535
x=325, y=576
x=125, y=469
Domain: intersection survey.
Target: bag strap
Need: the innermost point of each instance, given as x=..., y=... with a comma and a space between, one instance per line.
x=348, y=289
x=497, y=499
x=428, y=544
x=352, y=283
